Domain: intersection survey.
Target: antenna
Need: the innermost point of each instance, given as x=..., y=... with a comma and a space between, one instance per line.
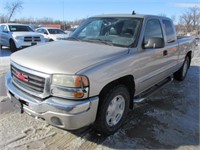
x=133, y=13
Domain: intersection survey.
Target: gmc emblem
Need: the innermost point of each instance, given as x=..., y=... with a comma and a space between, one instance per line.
x=21, y=76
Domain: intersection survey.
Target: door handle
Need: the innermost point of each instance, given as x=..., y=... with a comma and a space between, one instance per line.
x=165, y=52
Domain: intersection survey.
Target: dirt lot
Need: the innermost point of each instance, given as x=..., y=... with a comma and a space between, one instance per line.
x=167, y=120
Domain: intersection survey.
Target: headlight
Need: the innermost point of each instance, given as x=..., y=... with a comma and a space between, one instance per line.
x=19, y=38
x=70, y=86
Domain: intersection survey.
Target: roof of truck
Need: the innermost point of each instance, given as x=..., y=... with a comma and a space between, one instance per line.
x=128, y=16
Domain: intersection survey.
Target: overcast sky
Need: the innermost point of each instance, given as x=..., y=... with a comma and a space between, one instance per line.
x=69, y=10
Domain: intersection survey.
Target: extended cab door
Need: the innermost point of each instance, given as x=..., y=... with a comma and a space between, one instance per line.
x=153, y=55
x=171, y=46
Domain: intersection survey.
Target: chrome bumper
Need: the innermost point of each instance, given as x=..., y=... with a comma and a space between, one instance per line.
x=21, y=44
x=58, y=112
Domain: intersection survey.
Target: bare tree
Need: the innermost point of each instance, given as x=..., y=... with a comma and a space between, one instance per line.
x=3, y=18
x=195, y=15
x=191, y=20
x=13, y=7
x=186, y=19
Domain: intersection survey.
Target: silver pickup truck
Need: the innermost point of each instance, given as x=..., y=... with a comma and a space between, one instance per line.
x=95, y=77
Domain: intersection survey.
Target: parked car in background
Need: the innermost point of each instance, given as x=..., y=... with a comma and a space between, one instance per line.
x=18, y=36
x=52, y=34
x=70, y=31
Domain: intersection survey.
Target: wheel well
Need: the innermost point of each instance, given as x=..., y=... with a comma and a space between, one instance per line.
x=11, y=40
x=128, y=81
x=189, y=54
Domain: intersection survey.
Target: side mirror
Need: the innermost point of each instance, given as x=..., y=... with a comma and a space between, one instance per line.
x=46, y=33
x=154, y=42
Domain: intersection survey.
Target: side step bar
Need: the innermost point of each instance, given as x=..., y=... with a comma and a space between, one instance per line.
x=141, y=97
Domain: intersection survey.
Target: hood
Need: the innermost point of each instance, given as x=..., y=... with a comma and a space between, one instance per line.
x=67, y=57
x=26, y=34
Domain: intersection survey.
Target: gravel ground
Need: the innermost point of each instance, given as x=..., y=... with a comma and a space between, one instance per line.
x=169, y=119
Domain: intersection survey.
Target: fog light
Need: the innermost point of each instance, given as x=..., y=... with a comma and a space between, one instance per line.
x=56, y=121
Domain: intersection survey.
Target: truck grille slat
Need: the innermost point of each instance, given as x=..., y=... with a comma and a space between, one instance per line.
x=28, y=86
x=38, y=79
x=40, y=85
x=32, y=39
x=27, y=80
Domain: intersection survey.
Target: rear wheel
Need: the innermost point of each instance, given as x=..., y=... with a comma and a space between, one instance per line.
x=112, y=111
x=13, y=47
x=182, y=72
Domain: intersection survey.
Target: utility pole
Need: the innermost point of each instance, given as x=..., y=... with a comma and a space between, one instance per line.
x=63, y=15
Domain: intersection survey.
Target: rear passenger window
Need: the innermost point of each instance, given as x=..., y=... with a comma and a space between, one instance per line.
x=170, y=33
x=153, y=29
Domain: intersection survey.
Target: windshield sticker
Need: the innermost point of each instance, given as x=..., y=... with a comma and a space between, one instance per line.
x=13, y=29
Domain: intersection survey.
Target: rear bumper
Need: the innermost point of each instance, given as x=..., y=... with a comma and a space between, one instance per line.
x=58, y=112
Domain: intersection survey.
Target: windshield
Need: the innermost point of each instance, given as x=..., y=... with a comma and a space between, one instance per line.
x=56, y=31
x=113, y=31
x=20, y=28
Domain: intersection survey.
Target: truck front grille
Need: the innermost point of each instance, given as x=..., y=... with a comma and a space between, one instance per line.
x=32, y=39
x=30, y=82
x=36, y=39
x=27, y=80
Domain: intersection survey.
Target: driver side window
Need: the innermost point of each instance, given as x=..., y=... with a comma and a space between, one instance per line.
x=153, y=30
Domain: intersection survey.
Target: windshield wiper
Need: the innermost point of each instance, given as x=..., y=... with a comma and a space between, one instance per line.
x=106, y=42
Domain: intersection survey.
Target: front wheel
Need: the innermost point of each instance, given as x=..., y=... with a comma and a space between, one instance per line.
x=182, y=72
x=13, y=47
x=112, y=111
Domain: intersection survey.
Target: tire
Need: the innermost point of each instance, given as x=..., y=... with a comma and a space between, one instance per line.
x=182, y=72
x=112, y=111
x=13, y=47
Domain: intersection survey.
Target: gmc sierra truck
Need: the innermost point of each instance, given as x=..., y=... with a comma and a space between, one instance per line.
x=95, y=77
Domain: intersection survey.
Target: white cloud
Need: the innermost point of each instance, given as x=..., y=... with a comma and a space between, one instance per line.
x=187, y=5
